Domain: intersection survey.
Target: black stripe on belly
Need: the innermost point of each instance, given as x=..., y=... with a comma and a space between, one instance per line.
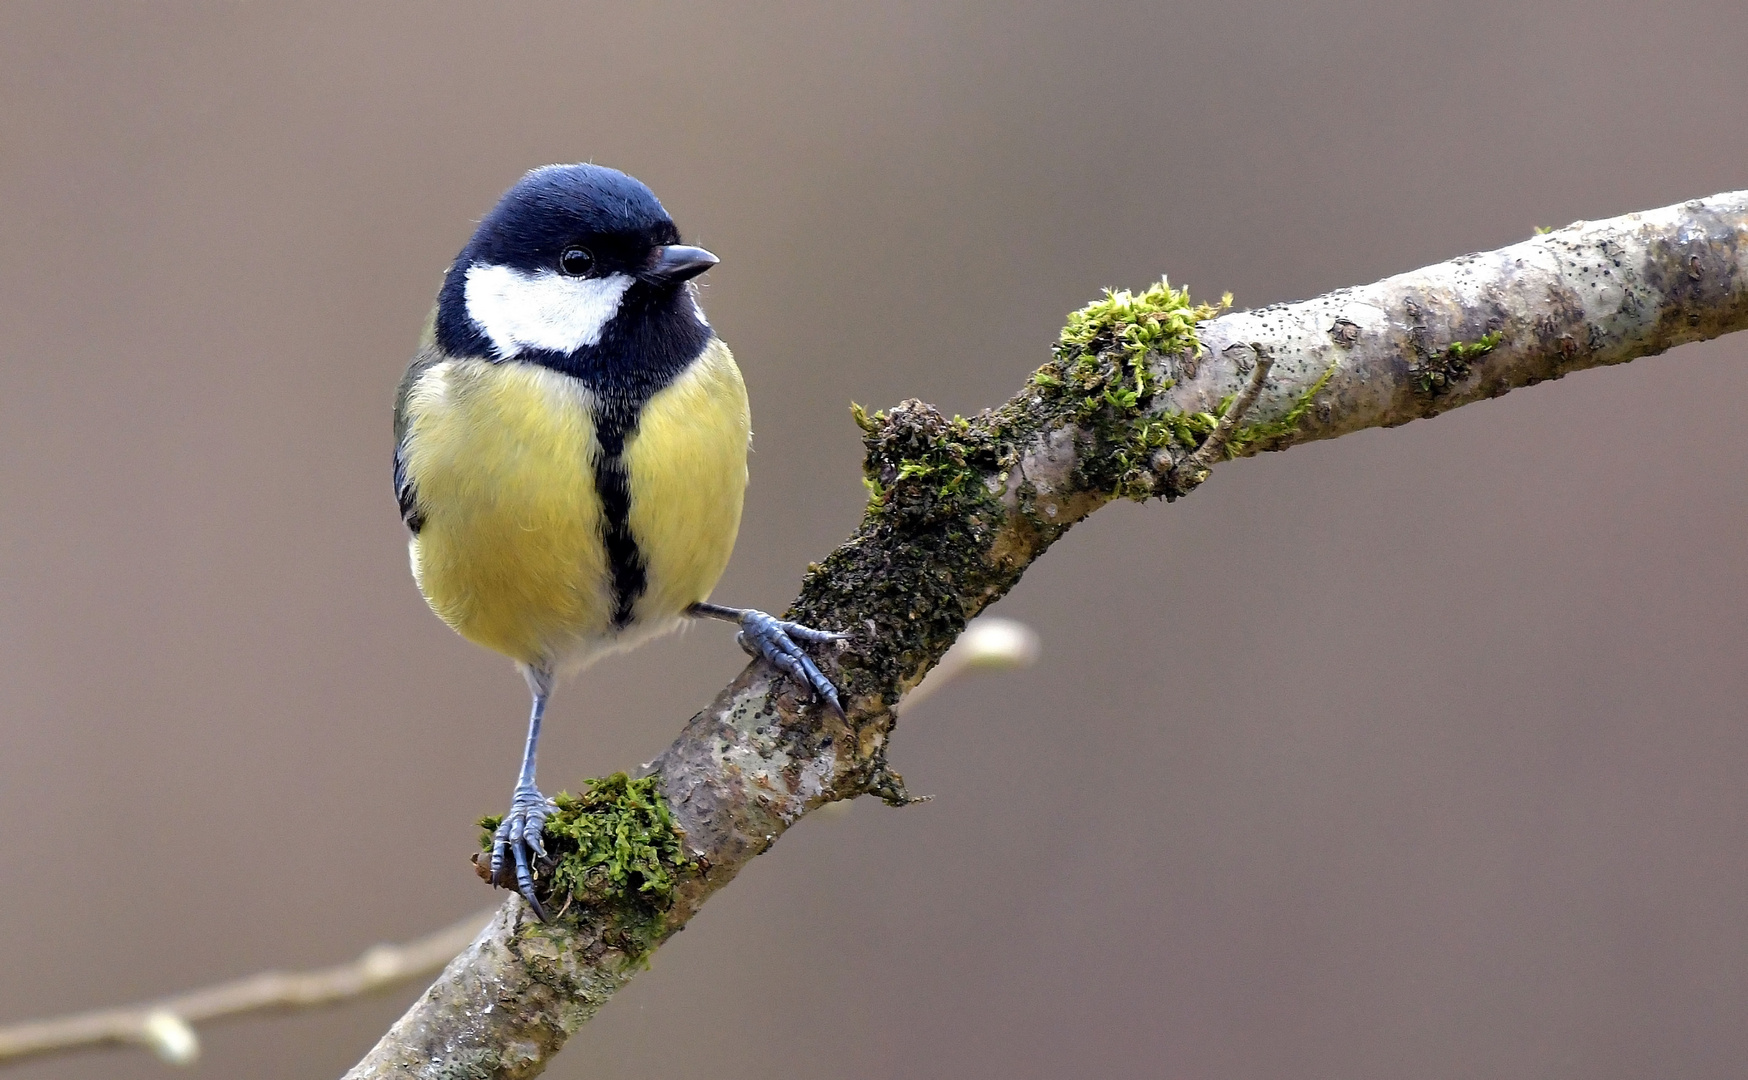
x=655, y=336
x=613, y=482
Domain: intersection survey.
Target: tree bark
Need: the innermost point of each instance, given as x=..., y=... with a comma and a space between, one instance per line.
x=963, y=507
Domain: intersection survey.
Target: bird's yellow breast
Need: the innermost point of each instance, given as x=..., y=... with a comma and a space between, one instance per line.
x=687, y=463
x=511, y=552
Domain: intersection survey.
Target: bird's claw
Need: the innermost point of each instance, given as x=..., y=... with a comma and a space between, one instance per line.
x=776, y=641
x=518, y=843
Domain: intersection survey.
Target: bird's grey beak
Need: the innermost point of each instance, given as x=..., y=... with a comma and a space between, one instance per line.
x=674, y=263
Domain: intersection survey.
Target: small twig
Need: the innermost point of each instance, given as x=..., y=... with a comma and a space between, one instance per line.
x=166, y=1026
x=1189, y=473
x=989, y=643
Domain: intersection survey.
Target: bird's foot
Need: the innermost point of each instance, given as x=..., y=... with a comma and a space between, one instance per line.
x=518, y=843
x=776, y=641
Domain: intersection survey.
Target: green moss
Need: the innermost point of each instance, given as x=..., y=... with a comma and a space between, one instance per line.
x=926, y=470
x=868, y=424
x=1160, y=319
x=1251, y=434
x=938, y=468
x=926, y=557
x=1437, y=372
x=614, y=849
x=1107, y=371
x=934, y=484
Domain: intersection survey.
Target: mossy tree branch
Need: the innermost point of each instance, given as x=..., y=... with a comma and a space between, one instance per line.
x=960, y=507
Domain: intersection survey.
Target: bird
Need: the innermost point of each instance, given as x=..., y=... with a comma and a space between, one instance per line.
x=570, y=456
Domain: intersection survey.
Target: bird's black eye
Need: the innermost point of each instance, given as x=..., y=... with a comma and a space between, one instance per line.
x=576, y=261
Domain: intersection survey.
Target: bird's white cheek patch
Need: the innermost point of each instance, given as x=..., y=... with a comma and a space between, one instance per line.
x=518, y=310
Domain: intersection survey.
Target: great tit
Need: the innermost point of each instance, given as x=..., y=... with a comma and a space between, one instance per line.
x=571, y=451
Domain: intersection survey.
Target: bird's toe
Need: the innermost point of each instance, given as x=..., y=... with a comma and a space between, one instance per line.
x=777, y=640
x=518, y=846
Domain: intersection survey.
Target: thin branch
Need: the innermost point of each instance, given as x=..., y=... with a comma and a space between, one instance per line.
x=988, y=644
x=165, y=1026
x=963, y=507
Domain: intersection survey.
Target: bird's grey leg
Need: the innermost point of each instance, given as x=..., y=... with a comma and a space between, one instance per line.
x=777, y=641
x=518, y=836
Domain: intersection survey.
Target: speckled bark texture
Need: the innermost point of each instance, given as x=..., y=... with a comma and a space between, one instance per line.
x=962, y=507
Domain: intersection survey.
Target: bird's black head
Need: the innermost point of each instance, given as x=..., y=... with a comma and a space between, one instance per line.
x=580, y=269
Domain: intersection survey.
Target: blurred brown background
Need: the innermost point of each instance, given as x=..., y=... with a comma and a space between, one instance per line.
x=1419, y=754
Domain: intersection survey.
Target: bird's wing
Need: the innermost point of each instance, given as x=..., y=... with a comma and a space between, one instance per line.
x=429, y=353
x=405, y=493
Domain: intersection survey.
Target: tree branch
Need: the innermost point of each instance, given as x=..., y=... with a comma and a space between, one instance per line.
x=962, y=507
